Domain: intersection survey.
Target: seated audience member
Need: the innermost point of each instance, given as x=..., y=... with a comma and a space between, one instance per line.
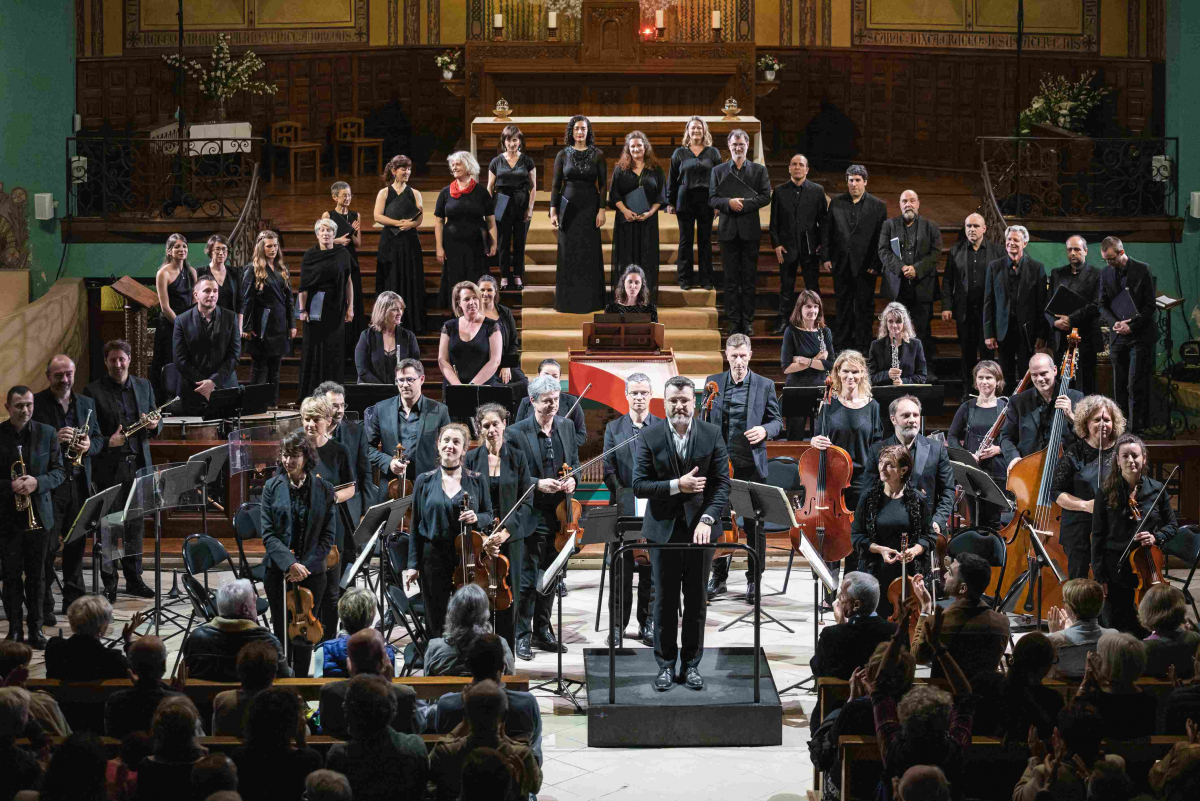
x=922, y=783
x=858, y=631
x=1108, y=781
x=14, y=672
x=1109, y=685
x=1176, y=777
x=77, y=770
x=486, y=707
x=1009, y=704
x=357, y=610
x=1162, y=612
x=169, y=768
x=82, y=656
x=214, y=773
x=19, y=769
x=327, y=785
x=224, y=795
x=121, y=774
x=274, y=761
x=211, y=651
x=256, y=666
x=1184, y=702
x=975, y=636
x=1079, y=732
x=133, y=709
x=365, y=655
x=486, y=776
x=380, y=762
x=468, y=616
x=1075, y=629
x=486, y=661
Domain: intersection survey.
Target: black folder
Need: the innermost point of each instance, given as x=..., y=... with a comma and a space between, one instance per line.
x=262, y=326
x=316, y=305
x=396, y=210
x=732, y=186
x=636, y=201
x=501, y=206
x=1065, y=301
x=1123, y=306
x=563, y=202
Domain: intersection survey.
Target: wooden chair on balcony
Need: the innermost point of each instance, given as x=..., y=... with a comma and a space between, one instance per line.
x=348, y=132
x=286, y=136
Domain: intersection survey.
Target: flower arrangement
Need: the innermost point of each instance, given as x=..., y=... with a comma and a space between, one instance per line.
x=769, y=63
x=447, y=61
x=225, y=77
x=1063, y=103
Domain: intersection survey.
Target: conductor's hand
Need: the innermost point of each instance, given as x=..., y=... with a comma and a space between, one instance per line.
x=821, y=442
x=693, y=482
x=468, y=516
x=118, y=438
x=779, y=251
x=297, y=572
x=703, y=533
x=756, y=435
x=735, y=204
x=397, y=467
x=410, y=578
x=947, y=315
x=1146, y=538
x=991, y=343
x=1062, y=322
x=205, y=387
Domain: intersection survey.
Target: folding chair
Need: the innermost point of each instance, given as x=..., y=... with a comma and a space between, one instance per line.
x=981, y=542
x=1185, y=545
x=203, y=606
x=202, y=553
x=247, y=525
x=782, y=472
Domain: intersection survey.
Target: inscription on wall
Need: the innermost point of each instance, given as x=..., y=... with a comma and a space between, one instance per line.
x=1063, y=25
x=259, y=23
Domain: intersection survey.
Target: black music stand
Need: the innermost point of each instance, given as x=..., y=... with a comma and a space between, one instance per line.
x=765, y=504
x=930, y=396
x=211, y=466
x=978, y=485
x=224, y=404
x=800, y=401
x=378, y=521
x=548, y=582
x=88, y=521
x=463, y=399
x=360, y=397
x=821, y=575
x=604, y=527
x=167, y=485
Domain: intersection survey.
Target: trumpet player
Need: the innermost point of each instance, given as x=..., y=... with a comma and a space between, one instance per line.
x=74, y=418
x=123, y=400
x=26, y=511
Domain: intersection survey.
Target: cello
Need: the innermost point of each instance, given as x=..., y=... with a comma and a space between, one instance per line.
x=824, y=518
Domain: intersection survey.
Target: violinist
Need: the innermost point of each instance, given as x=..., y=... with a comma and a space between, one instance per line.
x=897, y=355
x=567, y=406
x=547, y=442
x=1028, y=416
x=1129, y=501
x=297, y=532
x=409, y=419
x=975, y=635
x=438, y=517
x=1098, y=425
x=505, y=474
x=972, y=422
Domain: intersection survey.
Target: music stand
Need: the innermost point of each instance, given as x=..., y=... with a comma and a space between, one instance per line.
x=162, y=488
x=360, y=397
x=821, y=575
x=765, y=504
x=800, y=401
x=549, y=582
x=930, y=396
x=88, y=521
x=207, y=467
x=257, y=398
x=223, y=404
x=978, y=485
x=378, y=521
x=463, y=399
x=604, y=528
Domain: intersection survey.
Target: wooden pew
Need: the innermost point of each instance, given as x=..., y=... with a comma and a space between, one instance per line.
x=225, y=745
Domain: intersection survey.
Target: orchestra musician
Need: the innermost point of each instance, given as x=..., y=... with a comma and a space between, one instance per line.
x=897, y=354
x=682, y=468
x=973, y=420
x=1028, y=416
x=931, y=473
x=26, y=530
x=409, y=419
x=352, y=436
x=1098, y=425
x=437, y=518
x=548, y=442
x=1114, y=522
x=123, y=400
x=618, y=474
x=207, y=344
x=747, y=415
x=566, y=400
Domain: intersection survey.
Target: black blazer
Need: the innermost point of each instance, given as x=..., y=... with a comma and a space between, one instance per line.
x=565, y=401
x=762, y=409
x=956, y=277
x=927, y=251
x=371, y=361
x=43, y=461
x=352, y=436
x=199, y=356
x=656, y=464
x=843, y=647
x=913, y=369
x=109, y=417
x=524, y=435
x=931, y=475
x=1029, y=305
x=618, y=465
x=853, y=248
x=1140, y=283
x=277, y=300
x=1022, y=420
x=44, y=412
x=277, y=523
x=1087, y=319
x=514, y=479
x=424, y=526
x=680, y=181
x=797, y=219
x=1112, y=529
x=383, y=432
x=742, y=224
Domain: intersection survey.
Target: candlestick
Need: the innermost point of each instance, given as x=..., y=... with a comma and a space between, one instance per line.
x=658, y=20
x=498, y=27
x=553, y=19
x=716, y=19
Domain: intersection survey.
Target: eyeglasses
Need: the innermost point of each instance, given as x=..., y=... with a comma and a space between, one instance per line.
x=407, y=380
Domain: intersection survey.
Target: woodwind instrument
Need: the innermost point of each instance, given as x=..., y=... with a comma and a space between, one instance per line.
x=74, y=452
x=145, y=421
x=896, y=362
x=24, y=502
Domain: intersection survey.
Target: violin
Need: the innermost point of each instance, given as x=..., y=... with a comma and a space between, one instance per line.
x=1147, y=561
x=398, y=486
x=901, y=593
x=824, y=517
x=303, y=625
x=477, y=566
x=568, y=513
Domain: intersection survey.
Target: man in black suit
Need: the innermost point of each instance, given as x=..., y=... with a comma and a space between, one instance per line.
x=1084, y=280
x=911, y=277
x=850, y=247
x=739, y=229
x=548, y=442
x=207, y=342
x=618, y=475
x=1028, y=416
x=566, y=401
x=683, y=468
x=1131, y=344
x=24, y=532
x=931, y=474
x=847, y=645
x=747, y=415
x=366, y=655
x=798, y=209
x=60, y=408
x=963, y=288
x=1014, y=305
x=409, y=419
x=352, y=435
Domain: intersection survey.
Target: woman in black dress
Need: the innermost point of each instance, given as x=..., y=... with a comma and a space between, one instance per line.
x=974, y=418
x=174, y=282
x=635, y=236
x=270, y=318
x=896, y=329
x=399, y=267
x=228, y=277
x=687, y=198
x=513, y=173
x=513, y=376
x=471, y=344
x=580, y=178
x=349, y=236
x=1099, y=423
x=806, y=354
x=464, y=225
x=325, y=292
x=631, y=295
x=385, y=343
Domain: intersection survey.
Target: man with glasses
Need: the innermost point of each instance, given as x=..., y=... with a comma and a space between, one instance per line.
x=409, y=419
x=1131, y=343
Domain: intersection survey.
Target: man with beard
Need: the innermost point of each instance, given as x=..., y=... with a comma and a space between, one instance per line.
x=931, y=473
x=963, y=288
x=1014, y=303
x=911, y=277
x=1028, y=415
x=1131, y=344
x=1084, y=280
x=850, y=247
x=798, y=210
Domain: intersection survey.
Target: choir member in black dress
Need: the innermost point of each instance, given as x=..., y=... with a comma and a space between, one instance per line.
x=438, y=517
x=514, y=173
x=269, y=323
x=798, y=210
x=512, y=375
x=632, y=296
x=1099, y=423
x=325, y=284
x=228, y=277
x=850, y=248
x=385, y=343
x=1014, y=304
x=470, y=346
x=349, y=236
x=806, y=353
x=687, y=198
x=173, y=282
x=1084, y=280
x=1113, y=525
x=580, y=178
x=891, y=508
x=399, y=267
x=962, y=289
x=739, y=229
x=635, y=236
x=1131, y=341
x=297, y=531
x=897, y=335
x=464, y=225
x=974, y=418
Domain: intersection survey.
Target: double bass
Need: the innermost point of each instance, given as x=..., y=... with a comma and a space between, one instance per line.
x=825, y=474
x=477, y=566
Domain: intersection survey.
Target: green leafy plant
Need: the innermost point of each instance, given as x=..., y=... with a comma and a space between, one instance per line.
x=224, y=77
x=1063, y=103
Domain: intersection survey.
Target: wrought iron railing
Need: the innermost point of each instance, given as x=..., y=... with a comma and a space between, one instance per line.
x=245, y=232
x=1081, y=176
x=160, y=178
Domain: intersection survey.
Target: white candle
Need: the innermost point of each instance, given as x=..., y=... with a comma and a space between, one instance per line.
x=658, y=20
x=498, y=21
x=553, y=19
x=716, y=19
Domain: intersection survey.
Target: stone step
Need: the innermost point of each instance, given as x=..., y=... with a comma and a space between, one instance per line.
x=540, y=318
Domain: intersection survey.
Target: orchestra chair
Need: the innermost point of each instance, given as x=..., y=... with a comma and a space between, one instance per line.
x=1185, y=546
x=782, y=472
x=980, y=542
x=202, y=553
x=349, y=132
x=409, y=612
x=247, y=525
x=203, y=606
x=286, y=136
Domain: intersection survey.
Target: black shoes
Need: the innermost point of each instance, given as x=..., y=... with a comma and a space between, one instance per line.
x=545, y=640
x=693, y=680
x=524, y=651
x=646, y=634
x=665, y=680
x=138, y=589
x=685, y=284
x=715, y=587
x=751, y=591
x=779, y=326
x=15, y=633
x=49, y=618
x=37, y=640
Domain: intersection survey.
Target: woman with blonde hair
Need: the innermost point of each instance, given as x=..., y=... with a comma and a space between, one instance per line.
x=384, y=343
x=269, y=320
x=471, y=344
x=897, y=356
x=464, y=215
x=687, y=198
x=399, y=267
x=326, y=304
x=174, y=282
x=635, y=234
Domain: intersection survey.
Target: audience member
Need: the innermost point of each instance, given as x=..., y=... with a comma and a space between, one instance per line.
x=211, y=651
x=486, y=776
x=133, y=709
x=214, y=773
x=19, y=769
x=922, y=783
x=1075, y=628
x=1162, y=612
x=1176, y=777
x=357, y=610
x=380, y=762
x=77, y=770
x=82, y=656
x=1108, y=683
x=468, y=616
x=1009, y=704
x=1109, y=782
x=327, y=785
x=1076, y=739
x=365, y=655
x=14, y=672
x=224, y=795
x=849, y=643
x=257, y=663
x=161, y=774
x=975, y=636
x=275, y=760
x=1184, y=702
x=121, y=773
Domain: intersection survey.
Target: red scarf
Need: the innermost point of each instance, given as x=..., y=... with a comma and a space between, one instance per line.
x=456, y=193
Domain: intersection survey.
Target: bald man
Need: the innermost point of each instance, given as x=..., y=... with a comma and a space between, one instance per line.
x=909, y=248
x=1028, y=415
x=1084, y=280
x=963, y=285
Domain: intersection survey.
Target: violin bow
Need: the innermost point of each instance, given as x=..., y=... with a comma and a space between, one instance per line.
x=1146, y=517
x=595, y=459
x=571, y=411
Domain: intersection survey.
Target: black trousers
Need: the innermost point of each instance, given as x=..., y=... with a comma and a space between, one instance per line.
x=809, y=268
x=436, y=569
x=695, y=211
x=1131, y=365
x=972, y=349
x=755, y=538
x=921, y=313
x=22, y=561
x=627, y=568
x=1079, y=558
x=1013, y=355
x=739, y=261
x=68, y=498
x=265, y=370
x=513, y=234
x=676, y=572
x=535, y=608
x=856, y=310
x=1120, y=610
x=506, y=620
x=122, y=472
x=299, y=655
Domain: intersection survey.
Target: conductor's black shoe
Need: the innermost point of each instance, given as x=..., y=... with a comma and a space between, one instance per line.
x=780, y=324
x=646, y=635
x=15, y=633
x=665, y=680
x=693, y=679
x=524, y=651
x=545, y=640
x=751, y=591
x=715, y=588
x=138, y=589
x=37, y=640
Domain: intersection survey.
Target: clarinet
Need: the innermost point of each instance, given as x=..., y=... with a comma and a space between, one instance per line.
x=896, y=362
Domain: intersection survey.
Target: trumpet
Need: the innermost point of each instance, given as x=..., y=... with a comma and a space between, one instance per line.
x=74, y=452
x=24, y=502
x=145, y=421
